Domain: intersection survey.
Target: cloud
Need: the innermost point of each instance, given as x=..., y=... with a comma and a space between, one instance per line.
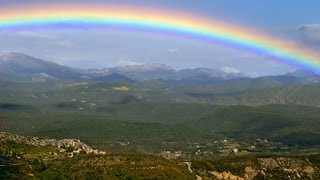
x=124, y=62
x=253, y=74
x=173, y=51
x=309, y=27
x=227, y=69
x=309, y=33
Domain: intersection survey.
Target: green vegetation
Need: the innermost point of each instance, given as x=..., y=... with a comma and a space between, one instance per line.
x=293, y=125
x=212, y=126
x=20, y=161
x=292, y=95
x=154, y=116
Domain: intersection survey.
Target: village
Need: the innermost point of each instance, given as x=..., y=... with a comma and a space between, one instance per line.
x=70, y=146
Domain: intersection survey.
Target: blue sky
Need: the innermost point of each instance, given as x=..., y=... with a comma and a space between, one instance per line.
x=295, y=20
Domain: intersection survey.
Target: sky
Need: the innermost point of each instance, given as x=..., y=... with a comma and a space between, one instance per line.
x=96, y=48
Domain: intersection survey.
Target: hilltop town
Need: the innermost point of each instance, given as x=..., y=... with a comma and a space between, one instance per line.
x=65, y=145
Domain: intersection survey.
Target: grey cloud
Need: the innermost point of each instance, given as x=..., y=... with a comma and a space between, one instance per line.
x=309, y=33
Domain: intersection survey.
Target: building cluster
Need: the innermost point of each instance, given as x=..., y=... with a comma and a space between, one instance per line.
x=63, y=145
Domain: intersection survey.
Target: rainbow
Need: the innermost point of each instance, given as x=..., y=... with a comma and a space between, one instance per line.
x=160, y=21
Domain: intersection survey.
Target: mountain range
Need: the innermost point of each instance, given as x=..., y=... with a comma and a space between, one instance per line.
x=22, y=67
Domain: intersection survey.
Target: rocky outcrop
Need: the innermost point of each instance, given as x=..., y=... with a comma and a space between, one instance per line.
x=225, y=175
x=265, y=167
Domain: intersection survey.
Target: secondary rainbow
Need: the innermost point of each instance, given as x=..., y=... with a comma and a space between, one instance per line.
x=161, y=21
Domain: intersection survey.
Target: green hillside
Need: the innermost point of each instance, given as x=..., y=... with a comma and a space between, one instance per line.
x=154, y=116
x=19, y=161
x=299, y=94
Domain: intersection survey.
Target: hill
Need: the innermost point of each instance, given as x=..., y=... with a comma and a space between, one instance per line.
x=20, y=160
x=114, y=77
x=18, y=64
x=307, y=95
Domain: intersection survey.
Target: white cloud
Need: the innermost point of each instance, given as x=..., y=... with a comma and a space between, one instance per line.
x=124, y=62
x=253, y=74
x=227, y=69
x=173, y=51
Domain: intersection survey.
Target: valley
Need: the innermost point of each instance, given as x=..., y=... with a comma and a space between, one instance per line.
x=157, y=124
x=151, y=117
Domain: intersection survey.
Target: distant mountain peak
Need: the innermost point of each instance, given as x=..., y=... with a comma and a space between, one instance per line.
x=114, y=77
x=21, y=58
x=147, y=67
x=13, y=55
x=25, y=65
x=302, y=73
